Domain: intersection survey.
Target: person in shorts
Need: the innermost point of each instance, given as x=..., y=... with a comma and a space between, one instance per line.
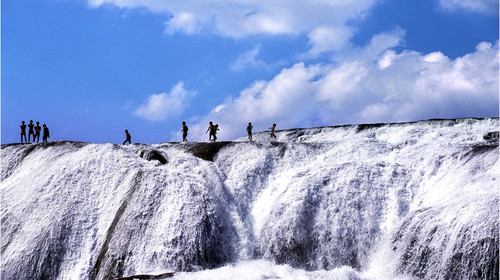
x=23, y=132
x=184, y=132
x=128, y=138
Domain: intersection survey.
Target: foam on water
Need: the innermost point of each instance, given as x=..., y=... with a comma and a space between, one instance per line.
x=265, y=270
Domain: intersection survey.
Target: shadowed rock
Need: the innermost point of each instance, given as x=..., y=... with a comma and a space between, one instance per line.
x=491, y=136
x=207, y=151
x=361, y=127
x=153, y=155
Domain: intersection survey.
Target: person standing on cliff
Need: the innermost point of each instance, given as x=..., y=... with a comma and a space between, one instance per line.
x=214, y=132
x=46, y=133
x=249, y=131
x=31, y=131
x=23, y=132
x=38, y=129
x=128, y=137
x=211, y=129
x=184, y=132
x=272, y=128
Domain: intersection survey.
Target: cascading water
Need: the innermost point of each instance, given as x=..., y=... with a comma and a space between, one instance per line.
x=416, y=200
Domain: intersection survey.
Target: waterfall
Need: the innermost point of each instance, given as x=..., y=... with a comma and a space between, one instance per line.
x=409, y=200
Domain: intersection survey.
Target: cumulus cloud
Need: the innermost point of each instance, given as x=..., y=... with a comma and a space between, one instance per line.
x=281, y=99
x=159, y=106
x=376, y=84
x=325, y=21
x=483, y=6
x=329, y=38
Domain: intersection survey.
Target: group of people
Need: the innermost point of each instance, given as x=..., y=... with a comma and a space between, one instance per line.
x=212, y=135
x=212, y=130
x=35, y=131
x=250, y=127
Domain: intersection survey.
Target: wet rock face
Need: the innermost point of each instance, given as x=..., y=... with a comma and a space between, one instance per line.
x=474, y=255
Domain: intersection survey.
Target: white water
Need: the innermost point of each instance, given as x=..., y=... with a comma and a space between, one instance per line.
x=390, y=202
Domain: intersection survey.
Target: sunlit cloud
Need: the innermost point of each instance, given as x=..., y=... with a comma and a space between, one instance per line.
x=183, y=22
x=325, y=22
x=377, y=84
x=158, y=107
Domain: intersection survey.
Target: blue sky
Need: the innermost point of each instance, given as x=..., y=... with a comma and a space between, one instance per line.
x=91, y=69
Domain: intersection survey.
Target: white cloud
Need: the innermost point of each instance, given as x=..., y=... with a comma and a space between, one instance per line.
x=330, y=38
x=283, y=99
x=382, y=42
x=183, y=22
x=435, y=57
x=387, y=59
x=373, y=83
x=326, y=21
x=159, y=106
x=483, y=6
x=409, y=86
x=248, y=59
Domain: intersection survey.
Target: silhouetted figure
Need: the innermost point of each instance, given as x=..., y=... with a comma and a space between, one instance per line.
x=46, y=133
x=23, y=132
x=211, y=129
x=184, y=132
x=214, y=133
x=249, y=131
x=128, y=137
x=31, y=131
x=38, y=129
x=272, y=128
